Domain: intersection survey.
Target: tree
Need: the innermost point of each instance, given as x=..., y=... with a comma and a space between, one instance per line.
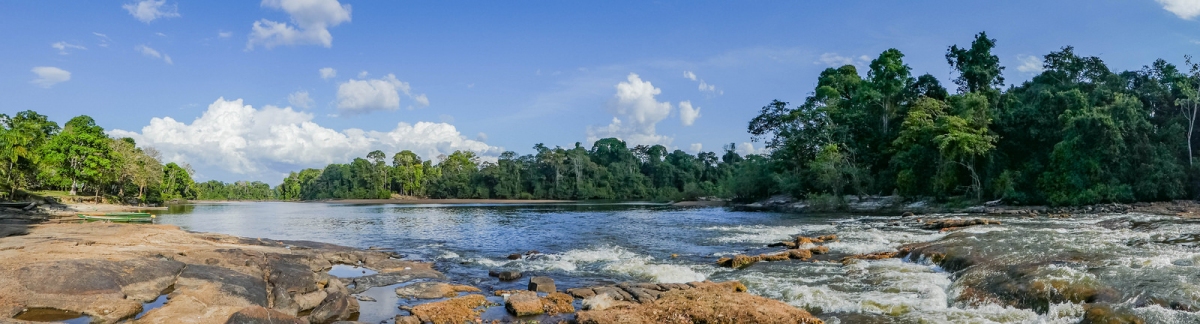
x=21, y=138
x=177, y=182
x=80, y=152
x=1189, y=105
x=891, y=79
x=978, y=69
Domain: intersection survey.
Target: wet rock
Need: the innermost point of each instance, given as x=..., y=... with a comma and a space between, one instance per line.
x=542, y=284
x=454, y=310
x=509, y=275
x=798, y=254
x=407, y=320
x=514, y=256
x=786, y=244
x=289, y=278
x=944, y=224
x=361, y=284
x=613, y=292
x=1106, y=314
x=524, y=304
x=707, y=303
x=260, y=315
x=774, y=257
x=365, y=298
x=432, y=290
x=819, y=250
x=907, y=214
x=558, y=303
x=870, y=256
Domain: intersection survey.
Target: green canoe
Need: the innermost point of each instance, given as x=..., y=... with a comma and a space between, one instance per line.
x=118, y=217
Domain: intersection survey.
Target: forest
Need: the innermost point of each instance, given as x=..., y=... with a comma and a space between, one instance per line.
x=1076, y=133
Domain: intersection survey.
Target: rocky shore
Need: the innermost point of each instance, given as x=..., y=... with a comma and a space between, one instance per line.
x=161, y=274
x=896, y=205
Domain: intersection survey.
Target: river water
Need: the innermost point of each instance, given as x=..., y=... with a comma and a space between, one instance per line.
x=1142, y=257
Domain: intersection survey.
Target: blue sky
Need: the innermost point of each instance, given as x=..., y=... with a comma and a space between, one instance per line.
x=494, y=76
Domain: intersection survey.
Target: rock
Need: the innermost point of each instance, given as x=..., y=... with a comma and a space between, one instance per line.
x=708, y=303
x=514, y=256
x=614, y=292
x=260, y=315
x=493, y=273
x=235, y=284
x=558, y=303
x=798, y=254
x=870, y=256
x=786, y=244
x=509, y=275
x=943, y=224
x=361, y=284
x=364, y=298
x=454, y=310
x=542, y=284
x=774, y=257
x=907, y=214
x=819, y=250
x=337, y=306
x=432, y=290
x=524, y=304
x=288, y=278
x=581, y=293
x=407, y=320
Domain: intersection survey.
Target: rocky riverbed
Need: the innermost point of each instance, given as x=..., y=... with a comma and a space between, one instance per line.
x=106, y=273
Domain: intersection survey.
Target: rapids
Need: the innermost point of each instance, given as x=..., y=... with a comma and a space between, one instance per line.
x=1140, y=265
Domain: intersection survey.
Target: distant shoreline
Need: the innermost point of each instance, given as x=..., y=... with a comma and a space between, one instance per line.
x=444, y=201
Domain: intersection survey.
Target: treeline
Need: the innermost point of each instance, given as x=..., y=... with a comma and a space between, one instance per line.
x=78, y=157
x=609, y=170
x=1077, y=133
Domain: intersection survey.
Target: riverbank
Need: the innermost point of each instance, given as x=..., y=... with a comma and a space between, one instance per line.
x=897, y=206
x=106, y=273
x=425, y=201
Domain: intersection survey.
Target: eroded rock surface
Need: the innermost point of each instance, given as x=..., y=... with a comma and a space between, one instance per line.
x=701, y=302
x=107, y=271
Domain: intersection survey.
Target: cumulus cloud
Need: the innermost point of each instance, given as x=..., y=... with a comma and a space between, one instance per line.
x=1030, y=64
x=835, y=60
x=696, y=148
x=364, y=96
x=636, y=114
x=150, y=52
x=149, y=10
x=264, y=144
x=687, y=114
x=747, y=148
x=300, y=99
x=328, y=73
x=1186, y=9
x=224, y=34
x=48, y=76
x=310, y=23
x=62, y=47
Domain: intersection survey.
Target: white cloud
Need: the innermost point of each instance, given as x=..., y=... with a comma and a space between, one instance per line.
x=635, y=102
x=687, y=114
x=300, y=99
x=1030, y=64
x=161, y=34
x=1186, y=9
x=328, y=73
x=696, y=148
x=147, y=51
x=149, y=10
x=264, y=144
x=311, y=18
x=363, y=75
x=224, y=34
x=747, y=148
x=63, y=46
x=835, y=60
x=689, y=75
x=481, y=137
x=104, y=40
x=48, y=76
x=364, y=96
x=704, y=86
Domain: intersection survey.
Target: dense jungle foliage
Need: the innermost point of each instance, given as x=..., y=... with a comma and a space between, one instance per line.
x=1076, y=133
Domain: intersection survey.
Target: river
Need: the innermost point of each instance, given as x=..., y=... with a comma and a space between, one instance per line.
x=1140, y=257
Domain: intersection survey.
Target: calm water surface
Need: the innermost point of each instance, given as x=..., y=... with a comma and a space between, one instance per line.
x=587, y=244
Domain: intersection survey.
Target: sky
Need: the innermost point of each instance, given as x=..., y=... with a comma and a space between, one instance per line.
x=245, y=90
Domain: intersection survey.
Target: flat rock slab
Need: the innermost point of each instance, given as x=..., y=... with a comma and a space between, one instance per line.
x=106, y=272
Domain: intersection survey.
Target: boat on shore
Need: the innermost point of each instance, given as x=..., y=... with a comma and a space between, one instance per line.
x=120, y=217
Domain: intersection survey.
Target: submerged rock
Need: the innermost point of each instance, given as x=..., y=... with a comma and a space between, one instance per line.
x=432, y=290
x=542, y=284
x=509, y=275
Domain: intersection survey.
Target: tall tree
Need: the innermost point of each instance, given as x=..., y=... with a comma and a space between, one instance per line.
x=80, y=152
x=978, y=69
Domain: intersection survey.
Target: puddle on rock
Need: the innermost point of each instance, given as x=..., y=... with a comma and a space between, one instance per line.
x=53, y=315
x=156, y=303
x=349, y=271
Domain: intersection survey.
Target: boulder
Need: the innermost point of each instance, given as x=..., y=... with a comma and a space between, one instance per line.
x=581, y=293
x=524, y=304
x=454, y=310
x=337, y=306
x=432, y=290
x=407, y=320
x=260, y=315
x=707, y=303
x=514, y=256
x=542, y=284
x=509, y=275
